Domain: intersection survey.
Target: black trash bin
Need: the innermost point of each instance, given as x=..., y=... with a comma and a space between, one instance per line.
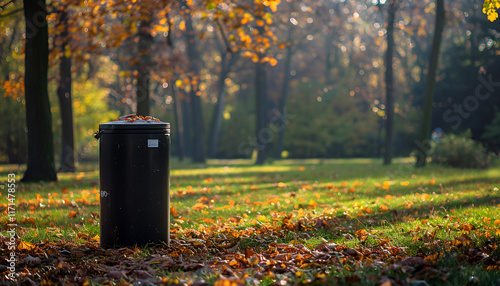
x=134, y=175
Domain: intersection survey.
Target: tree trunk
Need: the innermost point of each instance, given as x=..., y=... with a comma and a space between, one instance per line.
x=64, y=95
x=284, y=92
x=143, y=78
x=179, y=124
x=13, y=131
x=198, y=129
x=215, y=126
x=380, y=141
x=261, y=111
x=186, y=120
x=41, y=165
x=431, y=82
x=389, y=83
x=196, y=110
x=474, y=39
x=262, y=134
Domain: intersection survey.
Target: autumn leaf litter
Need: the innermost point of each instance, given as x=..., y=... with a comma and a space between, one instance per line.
x=215, y=255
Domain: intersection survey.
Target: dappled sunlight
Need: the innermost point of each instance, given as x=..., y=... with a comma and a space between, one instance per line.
x=232, y=170
x=288, y=209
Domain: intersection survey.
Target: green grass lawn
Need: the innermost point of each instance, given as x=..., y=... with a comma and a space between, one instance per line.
x=449, y=217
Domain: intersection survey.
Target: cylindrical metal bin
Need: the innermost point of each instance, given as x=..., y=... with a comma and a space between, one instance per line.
x=134, y=170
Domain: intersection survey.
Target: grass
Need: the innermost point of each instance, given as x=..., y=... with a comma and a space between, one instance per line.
x=409, y=207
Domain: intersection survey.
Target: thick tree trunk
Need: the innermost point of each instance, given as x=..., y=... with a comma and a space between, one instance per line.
x=261, y=111
x=64, y=95
x=196, y=110
x=431, y=83
x=41, y=165
x=215, y=126
x=143, y=77
x=389, y=83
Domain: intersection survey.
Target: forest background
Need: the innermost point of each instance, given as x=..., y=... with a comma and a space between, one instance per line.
x=269, y=79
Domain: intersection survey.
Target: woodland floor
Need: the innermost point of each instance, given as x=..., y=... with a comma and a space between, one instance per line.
x=324, y=222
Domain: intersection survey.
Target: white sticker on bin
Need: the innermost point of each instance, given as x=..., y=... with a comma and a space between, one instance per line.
x=152, y=143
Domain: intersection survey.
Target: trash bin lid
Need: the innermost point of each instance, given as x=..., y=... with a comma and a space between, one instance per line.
x=134, y=122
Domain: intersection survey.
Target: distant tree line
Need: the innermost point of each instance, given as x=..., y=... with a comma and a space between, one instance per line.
x=247, y=78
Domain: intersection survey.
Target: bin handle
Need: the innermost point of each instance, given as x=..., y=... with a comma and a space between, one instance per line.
x=97, y=134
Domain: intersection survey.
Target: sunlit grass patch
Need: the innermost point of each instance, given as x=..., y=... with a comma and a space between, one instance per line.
x=435, y=213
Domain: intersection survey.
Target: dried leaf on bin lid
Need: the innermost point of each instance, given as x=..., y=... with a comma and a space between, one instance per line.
x=133, y=117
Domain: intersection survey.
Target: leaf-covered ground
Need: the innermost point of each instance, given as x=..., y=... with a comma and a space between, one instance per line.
x=346, y=222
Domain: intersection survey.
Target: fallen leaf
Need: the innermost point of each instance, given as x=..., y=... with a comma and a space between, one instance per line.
x=306, y=187
x=313, y=204
x=32, y=260
x=262, y=218
x=173, y=211
x=24, y=245
x=362, y=234
x=80, y=176
x=29, y=220
x=414, y=261
x=386, y=184
x=142, y=274
x=230, y=282
x=117, y=275
x=208, y=220
x=198, y=207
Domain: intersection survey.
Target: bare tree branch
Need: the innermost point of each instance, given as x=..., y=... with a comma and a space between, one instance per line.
x=5, y=5
x=11, y=12
x=223, y=35
x=169, y=35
